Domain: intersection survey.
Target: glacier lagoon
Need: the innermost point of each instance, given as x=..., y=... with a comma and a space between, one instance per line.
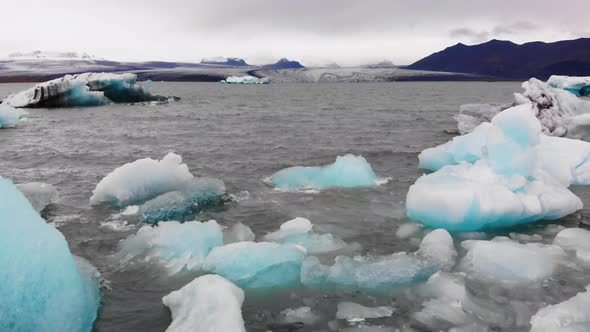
x=243, y=134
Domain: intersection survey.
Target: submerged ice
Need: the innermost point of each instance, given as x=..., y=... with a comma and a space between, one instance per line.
x=87, y=89
x=347, y=171
x=436, y=252
x=492, y=180
x=44, y=288
x=207, y=304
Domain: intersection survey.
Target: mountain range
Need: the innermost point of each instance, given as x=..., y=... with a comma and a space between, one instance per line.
x=502, y=59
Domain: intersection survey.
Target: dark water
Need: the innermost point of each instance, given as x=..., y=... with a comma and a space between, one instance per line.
x=243, y=134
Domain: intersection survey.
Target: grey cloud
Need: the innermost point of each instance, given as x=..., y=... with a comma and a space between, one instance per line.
x=470, y=34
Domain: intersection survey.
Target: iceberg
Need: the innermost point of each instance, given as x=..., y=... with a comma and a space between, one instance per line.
x=207, y=304
x=507, y=262
x=555, y=108
x=299, y=231
x=347, y=171
x=504, y=188
x=238, y=233
x=141, y=180
x=44, y=287
x=578, y=85
x=9, y=117
x=39, y=194
x=86, y=89
x=246, y=80
x=174, y=245
x=192, y=197
x=436, y=252
x=257, y=264
x=571, y=315
x=354, y=312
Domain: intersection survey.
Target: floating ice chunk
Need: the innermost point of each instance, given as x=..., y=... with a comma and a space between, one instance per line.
x=510, y=263
x=472, y=115
x=87, y=89
x=257, y=265
x=246, y=80
x=43, y=287
x=9, y=116
x=578, y=85
x=299, y=231
x=407, y=230
x=353, y=311
x=576, y=240
x=367, y=328
x=206, y=304
x=302, y=314
x=39, y=194
x=569, y=316
x=131, y=210
x=238, y=233
x=504, y=188
x=176, y=246
x=347, y=171
x=385, y=271
x=192, y=197
x=141, y=180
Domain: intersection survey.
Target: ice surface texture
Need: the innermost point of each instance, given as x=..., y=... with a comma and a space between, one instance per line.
x=400, y=269
x=246, y=80
x=503, y=187
x=347, y=171
x=87, y=89
x=580, y=86
x=43, y=287
x=207, y=304
x=571, y=315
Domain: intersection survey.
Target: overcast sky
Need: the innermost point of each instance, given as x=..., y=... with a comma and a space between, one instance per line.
x=348, y=32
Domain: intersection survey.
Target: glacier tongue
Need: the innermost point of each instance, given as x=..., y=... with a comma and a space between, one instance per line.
x=87, y=89
x=44, y=288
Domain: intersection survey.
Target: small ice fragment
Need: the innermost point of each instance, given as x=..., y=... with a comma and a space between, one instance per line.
x=407, y=230
x=302, y=314
x=238, y=232
x=130, y=210
x=208, y=304
x=39, y=194
x=355, y=311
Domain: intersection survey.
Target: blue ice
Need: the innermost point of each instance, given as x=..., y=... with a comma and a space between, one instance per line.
x=43, y=287
x=257, y=264
x=347, y=171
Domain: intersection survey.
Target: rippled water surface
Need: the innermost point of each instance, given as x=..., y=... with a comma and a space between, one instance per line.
x=243, y=134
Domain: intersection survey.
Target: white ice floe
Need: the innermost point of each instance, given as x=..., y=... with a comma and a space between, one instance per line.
x=9, y=116
x=304, y=315
x=503, y=187
x=578, y=85
x=87, y=89
x=257, y=264
x=172, y=244
x=246, y=80
x=571, y=315
x=576, y=240
x=356, y=312
x=141, y=180
x=505, y=262
x=347, y=171
x=436, y=252
x=407, y=230
x=39, y=194
x=299, y=231
x=206, y=304
x=44, y=288
x=238, y=232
